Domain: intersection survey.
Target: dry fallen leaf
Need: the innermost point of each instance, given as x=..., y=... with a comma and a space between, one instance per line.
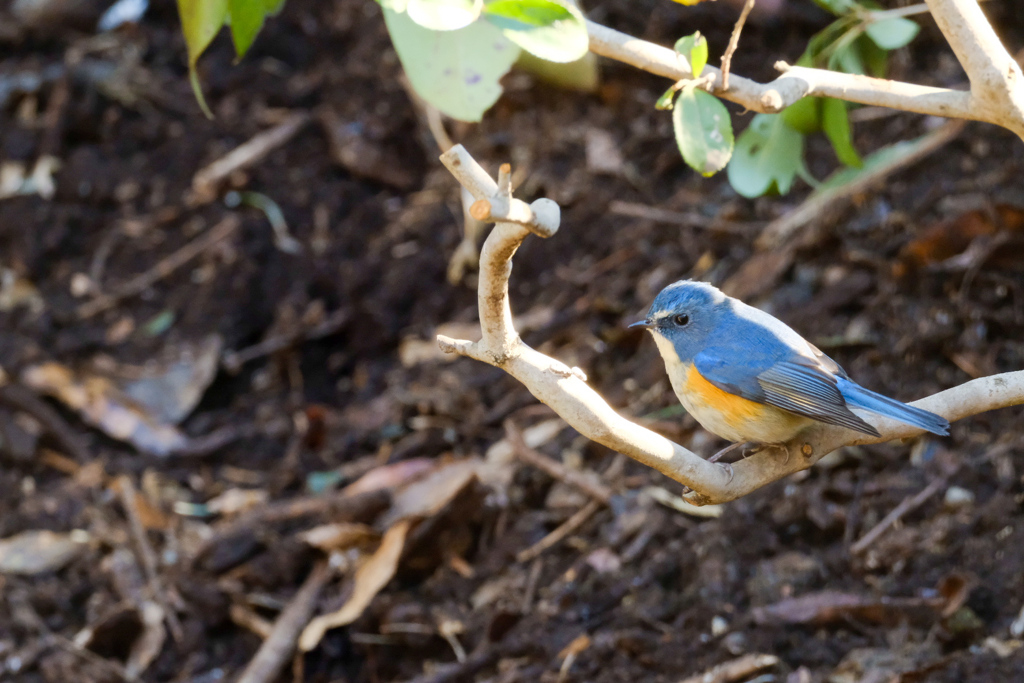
x=390, y=476
x=338, y=536
x=370, y=578
x=36, y=552
x=429, y=495
x=103, y=405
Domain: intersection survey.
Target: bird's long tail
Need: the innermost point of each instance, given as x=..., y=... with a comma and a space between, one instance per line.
x=858, y=397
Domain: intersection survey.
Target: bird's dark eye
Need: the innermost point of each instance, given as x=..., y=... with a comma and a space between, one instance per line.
x=682, y=319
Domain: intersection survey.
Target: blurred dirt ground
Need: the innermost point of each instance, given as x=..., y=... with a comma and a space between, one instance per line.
x=274, y=369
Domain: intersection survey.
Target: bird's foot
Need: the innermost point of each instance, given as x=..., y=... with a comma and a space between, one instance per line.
x=729, y=471
x=725, y=451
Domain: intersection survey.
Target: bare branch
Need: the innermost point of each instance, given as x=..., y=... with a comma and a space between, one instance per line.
x=565, y=389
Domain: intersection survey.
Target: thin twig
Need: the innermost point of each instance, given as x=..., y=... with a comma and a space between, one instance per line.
x=558, y=535
x=207, y=180
x=163, y=268
x=735, y=669
x=691, y=219
x=906, y=506
x=340, y=507
x=67, y=439
x=734, y=41
x=234, y=360
x=149, y=564
x=276, y=650
x=594, y=489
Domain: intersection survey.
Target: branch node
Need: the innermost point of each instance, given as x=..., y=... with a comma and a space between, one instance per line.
x=772, y=102
x=505, y=180
x=562, y=370
x=807, y=450
x=548, y=217
x=782, y=66
x=463, y=347
x=480, y=210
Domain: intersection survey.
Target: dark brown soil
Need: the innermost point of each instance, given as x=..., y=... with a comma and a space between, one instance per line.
x=660, y=595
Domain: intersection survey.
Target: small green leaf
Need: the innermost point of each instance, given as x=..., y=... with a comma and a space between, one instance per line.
x=769, y=154
x=836, y=124
x=667, y=100
x=201, y=20
x=703, y=130
x=456, y=71
x=246, y=19
x=804, y=116
x=549, y=29
x=892, y=34
x=444, y=15
x=837, y=7
x=695, y=48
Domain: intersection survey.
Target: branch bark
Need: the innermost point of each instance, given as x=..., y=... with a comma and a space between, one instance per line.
x=565, y=389
x=997, y=87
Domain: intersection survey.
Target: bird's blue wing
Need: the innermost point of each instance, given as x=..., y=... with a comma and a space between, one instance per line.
x=783, y=379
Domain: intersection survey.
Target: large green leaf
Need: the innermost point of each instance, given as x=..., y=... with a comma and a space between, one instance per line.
x=892, y=34
x=444, y=15
x=836, y=124
x=201, y=20
x=456, y=71
x=769, y=154
x=703, y=130
x=549, y=29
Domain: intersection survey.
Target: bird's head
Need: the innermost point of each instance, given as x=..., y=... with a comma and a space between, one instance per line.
x=685, y=314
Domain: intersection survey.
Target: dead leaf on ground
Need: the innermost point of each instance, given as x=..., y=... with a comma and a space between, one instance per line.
x=370, y=578
x=171, y=387
x=946, y=239
x=734, y=670
x=36, y=552
x=233, y=501
x=339, y=536
x=826, y=607
x=882, y=665
x=428, y=496
x=390, y=476
x=103, y=405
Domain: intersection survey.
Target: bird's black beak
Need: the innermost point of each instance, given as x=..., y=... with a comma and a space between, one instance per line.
x=646, y=324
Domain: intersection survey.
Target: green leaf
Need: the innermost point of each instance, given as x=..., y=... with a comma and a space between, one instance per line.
x=667, y=100
x=703, y=130
x=769, y=154
x=804, y=115
x=246, y=19
x=456, y=71
x=582, y=74
x=836, y=124
x=695, y=48
x=837, y=7
x=201, y=20
x=555, y=31
x=444, y=15
x=875, y=58
x=892, y=34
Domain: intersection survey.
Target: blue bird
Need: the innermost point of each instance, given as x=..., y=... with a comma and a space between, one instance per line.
x=746, y=376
